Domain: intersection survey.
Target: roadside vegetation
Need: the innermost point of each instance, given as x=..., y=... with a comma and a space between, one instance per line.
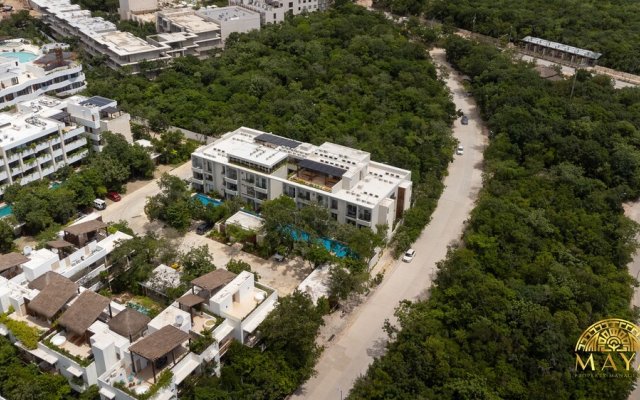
x=290, y=353
x=545, y=252
x=609, y=27
x=346, y=75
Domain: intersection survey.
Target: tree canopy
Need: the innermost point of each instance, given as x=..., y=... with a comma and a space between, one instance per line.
x=545, y=251
x=611, y=27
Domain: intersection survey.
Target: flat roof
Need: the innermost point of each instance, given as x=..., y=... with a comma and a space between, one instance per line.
x=189, y=20
x=230, y=13
x=254, y=153
x=245, y=221
x=562, y=47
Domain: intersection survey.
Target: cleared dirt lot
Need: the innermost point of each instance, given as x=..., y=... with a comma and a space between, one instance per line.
x=282, y=276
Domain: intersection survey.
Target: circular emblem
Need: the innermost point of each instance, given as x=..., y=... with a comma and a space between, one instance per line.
x=610, y=335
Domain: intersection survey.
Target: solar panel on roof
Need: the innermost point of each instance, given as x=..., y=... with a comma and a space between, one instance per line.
x=277, y=140
x=98, y=101
x=324, y=168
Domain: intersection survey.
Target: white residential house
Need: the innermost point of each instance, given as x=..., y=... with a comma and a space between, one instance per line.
x=260, y=166
x=52, y=70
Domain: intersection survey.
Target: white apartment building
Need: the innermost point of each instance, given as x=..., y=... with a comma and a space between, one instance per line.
x=96, y=114
x=259, y=166
x=231, y=19
x=204, y=34
x=34, y=146
x=274, y=11
x=98, y=36
x=51, y=70
x=130, y=8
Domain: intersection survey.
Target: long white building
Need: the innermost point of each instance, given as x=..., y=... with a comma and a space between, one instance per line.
x=33, y=147
x=50, y=69
x=259, y=166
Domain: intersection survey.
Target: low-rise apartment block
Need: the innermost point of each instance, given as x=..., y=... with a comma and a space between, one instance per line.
x=34, y=146
x=205, y=34
x=259, y=166
x=231, y=19
x=97, y=36
x=28, y=71
x=274, y=11
x=96, y=114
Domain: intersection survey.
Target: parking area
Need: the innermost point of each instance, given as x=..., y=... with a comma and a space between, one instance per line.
x=283, y=276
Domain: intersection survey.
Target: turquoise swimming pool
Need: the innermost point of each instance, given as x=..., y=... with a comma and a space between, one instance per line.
x=5, y=211
x=22, y=56
x=206, y=200
x=337, y=248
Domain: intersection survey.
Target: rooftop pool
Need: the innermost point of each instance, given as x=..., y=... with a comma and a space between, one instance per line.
x=22, y=56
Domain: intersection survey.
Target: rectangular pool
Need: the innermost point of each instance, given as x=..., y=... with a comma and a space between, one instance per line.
x=6, y=210
x=206, y=200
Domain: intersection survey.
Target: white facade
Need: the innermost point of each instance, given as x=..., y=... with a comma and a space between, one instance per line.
x=33, y=147
x=204, y=34
x=129, y=8
x=258, y=166
x=97, y=36
x=232, y=19
x=274, y=11
x=95, y=114
x=20, y=81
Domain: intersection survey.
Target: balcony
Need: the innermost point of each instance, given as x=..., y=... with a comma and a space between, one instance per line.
x=231, y=180
x=48, y=171
x=41, y=146
x=77, y=156
x=44, y=158
x=75, y=144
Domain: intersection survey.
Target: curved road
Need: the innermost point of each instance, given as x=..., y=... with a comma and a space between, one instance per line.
x=350, y=353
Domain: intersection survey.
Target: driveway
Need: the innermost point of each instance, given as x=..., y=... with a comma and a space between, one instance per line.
x=352, y=350
x=632, y=211
x=131, y=207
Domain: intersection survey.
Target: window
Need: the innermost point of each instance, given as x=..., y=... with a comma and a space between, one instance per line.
x=364, y=214
x=334, y=216
x=261, y=182
x=334, y=204
x=291, y=5
x=351, y=210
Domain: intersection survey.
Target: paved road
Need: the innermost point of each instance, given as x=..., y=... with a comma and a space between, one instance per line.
x=632, y=210
x=351, y=352
x=131, y=207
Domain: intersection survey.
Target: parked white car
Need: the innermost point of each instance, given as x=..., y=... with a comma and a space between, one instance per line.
x=408, y=256
x=460, y=150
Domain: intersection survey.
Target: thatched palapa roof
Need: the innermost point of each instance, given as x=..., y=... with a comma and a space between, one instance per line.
x=10, y=260
x=129, y=322
x=190, y=300
x=214, y=279
x=85, y=227
x=159, y=343
x=59, y=244
x=55, y=293
x=83, y=312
